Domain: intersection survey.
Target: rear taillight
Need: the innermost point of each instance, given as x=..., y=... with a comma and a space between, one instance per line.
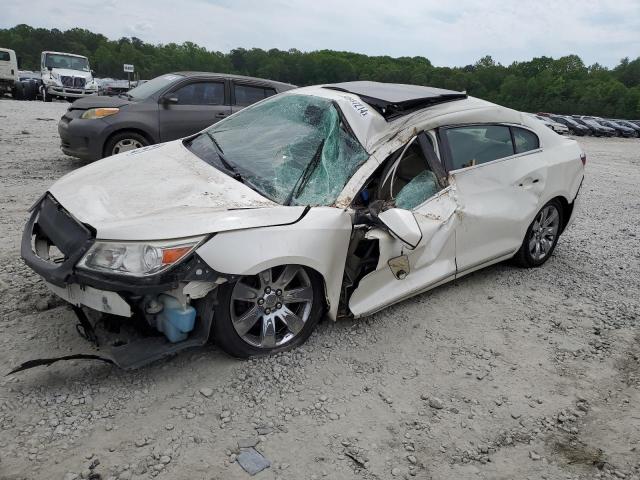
x=583, y=158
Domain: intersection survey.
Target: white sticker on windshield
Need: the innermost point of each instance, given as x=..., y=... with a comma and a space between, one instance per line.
x=359, y=107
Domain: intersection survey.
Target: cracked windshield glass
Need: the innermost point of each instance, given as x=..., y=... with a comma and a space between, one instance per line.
x=293, y=149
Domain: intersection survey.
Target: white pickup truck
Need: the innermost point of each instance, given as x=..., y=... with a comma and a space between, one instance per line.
x=8, y=72
x=66, y=76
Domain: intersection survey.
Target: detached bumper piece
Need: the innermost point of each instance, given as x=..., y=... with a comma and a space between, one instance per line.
x=128, y=356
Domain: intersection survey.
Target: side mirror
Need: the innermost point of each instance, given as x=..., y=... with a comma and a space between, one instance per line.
x=402, y=225
x=49, y=67
x=169, y=99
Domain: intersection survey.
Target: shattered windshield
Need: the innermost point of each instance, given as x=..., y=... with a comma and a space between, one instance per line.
x=293, y=149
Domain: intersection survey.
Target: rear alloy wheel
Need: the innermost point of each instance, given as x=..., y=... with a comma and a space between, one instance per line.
x=542, y=236
x=124, y=142
x=269, y=312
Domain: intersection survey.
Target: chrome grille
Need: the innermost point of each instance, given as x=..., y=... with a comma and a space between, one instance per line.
x=75, y=82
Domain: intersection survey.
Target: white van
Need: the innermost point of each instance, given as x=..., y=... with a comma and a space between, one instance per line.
x=8, y=71
x=66, y=76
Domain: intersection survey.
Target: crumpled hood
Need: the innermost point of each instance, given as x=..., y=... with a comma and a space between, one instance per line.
x=162, y=192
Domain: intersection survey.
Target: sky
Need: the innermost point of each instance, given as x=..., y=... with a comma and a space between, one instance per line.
x=447, y=33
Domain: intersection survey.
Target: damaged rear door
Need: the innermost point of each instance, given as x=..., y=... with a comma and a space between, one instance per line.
x=499, y=174
x=415, y=182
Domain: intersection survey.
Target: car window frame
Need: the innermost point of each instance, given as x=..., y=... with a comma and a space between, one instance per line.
x=445, y=149
x=248, y=83
x=177, y=86
x=513, y=139
x=426, y=141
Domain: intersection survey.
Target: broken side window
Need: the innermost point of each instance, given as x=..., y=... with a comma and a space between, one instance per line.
x=406, y=178
x=294, y=149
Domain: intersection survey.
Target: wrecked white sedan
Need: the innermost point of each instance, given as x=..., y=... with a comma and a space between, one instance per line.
x=340, y=199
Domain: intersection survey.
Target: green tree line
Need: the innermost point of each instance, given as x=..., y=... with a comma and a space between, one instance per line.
x=562, y=85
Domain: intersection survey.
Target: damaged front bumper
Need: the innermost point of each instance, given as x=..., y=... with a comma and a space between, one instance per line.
x=52, y=244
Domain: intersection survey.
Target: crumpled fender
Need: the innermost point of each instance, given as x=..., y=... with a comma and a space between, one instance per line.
x=319, y=241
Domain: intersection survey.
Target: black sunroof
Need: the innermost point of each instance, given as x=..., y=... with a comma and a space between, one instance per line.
x=395, y=99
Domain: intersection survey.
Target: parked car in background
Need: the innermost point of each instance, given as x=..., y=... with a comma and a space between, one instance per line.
x=621, y=130
x=338, y=199
x=631, y=125
x=112, y=87
x=31, y=83
x=9, y=81
x=574, y=127
x=555, y=126
x=66, y=76
x=166, y=108
x=597, y=129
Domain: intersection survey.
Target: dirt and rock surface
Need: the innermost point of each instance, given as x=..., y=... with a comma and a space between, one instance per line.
x=505, y=374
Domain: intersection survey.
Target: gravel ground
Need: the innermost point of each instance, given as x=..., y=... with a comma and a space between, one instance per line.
x=505, y=374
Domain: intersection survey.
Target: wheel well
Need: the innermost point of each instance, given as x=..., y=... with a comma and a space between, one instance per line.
x=567, y=209
x=323, y=282
x=124, y=130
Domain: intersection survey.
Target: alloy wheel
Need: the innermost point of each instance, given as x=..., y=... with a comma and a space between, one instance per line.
x=270, y=309
x=125, y=145
x=544, y=232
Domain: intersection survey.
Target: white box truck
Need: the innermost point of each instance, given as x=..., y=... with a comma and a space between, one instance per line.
x=8, y=72
x=66, y=76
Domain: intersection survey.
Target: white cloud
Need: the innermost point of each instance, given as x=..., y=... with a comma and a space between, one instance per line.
x=448, y=34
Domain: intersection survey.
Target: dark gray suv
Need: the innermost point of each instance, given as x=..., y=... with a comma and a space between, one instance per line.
x=168, y=107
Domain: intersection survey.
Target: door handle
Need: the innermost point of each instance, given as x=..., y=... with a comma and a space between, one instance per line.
x=221, y=115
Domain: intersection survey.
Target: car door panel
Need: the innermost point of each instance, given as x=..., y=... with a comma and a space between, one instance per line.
x=497, y=202
x=432, y=262
x=180, y=120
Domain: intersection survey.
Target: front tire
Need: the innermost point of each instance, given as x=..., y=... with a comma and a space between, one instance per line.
x=45, y=95
x=542, y=236
x=267, y=313
x=123, y=142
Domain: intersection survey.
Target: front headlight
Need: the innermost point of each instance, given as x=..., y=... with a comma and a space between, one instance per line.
x=99, y=113
x=137, y=259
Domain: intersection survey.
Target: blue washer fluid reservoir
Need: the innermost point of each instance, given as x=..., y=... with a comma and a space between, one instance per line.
x=175, y=321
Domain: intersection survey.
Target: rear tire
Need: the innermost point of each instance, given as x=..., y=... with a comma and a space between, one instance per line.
x=268, y=313
x=123, y=142
x=18, y=91
x=30, y=91
x=542, y=236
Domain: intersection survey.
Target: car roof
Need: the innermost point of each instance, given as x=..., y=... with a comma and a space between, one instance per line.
x=373, y=130
x=283, y=86
x=392, y=100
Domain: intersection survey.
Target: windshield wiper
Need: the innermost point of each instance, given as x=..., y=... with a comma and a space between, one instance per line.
x=306, y=174
x=126, y=95
x=230, y=167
